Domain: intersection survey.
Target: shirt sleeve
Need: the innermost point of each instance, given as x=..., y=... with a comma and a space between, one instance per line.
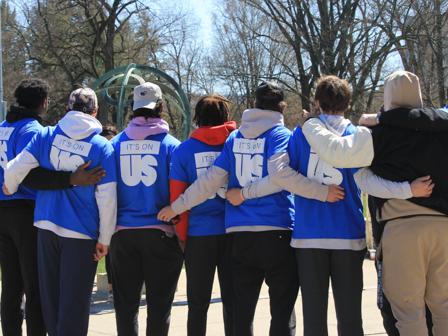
x=106, y=196
x=376, y=186
x=44, y=179
x=203, y=188
x=355, y=150
x=283, y=168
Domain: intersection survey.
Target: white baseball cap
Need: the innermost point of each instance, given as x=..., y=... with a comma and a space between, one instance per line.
x=146, y=95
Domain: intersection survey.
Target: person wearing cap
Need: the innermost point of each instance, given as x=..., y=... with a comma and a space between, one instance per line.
x=260, y=228
x=408, y=142
x=144, y=250
x=75, y=225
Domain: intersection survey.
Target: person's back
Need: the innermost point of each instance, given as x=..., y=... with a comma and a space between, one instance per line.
x=73, y=223
x=414, y=247
x=18, y=243
x=144, y=250
x=402, y=154
x=329, y=238
x=245, y=157
x=14, y=136
x=143, y=177
x=201, y=231
x=327, y=225
x=414, y=243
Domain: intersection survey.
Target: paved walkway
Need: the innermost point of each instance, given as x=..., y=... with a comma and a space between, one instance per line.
x=102, y=320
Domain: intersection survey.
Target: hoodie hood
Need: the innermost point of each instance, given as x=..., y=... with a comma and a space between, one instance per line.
x=139, y=128
x=214, y=135
x=402, y=89
x=335, y=123
x=256, y=121
x=79, y=125
x=17, y=113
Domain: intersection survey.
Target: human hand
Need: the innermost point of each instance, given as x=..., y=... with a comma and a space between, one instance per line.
x=235, y=196
x=422, y=186
x=166, y=214
x=335, y=193
x=368, y=120
x=5, y=190
x=82, y=177
x=101, y=250
x=303, y=117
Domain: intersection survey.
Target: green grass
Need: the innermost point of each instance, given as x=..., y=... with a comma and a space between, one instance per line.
x=101, y=266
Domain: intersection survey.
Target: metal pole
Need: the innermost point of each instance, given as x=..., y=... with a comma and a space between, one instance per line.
x=2, y=102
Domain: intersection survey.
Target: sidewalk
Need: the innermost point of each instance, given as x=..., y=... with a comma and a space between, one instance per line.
x=102, y=320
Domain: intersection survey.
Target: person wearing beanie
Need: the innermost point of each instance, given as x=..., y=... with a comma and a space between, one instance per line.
x=75, y=225
x=144, y=250
x=260, y=229
x=409, y=141
x=202, y=231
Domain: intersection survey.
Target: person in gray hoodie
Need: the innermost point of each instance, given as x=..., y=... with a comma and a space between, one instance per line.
x=260, y=228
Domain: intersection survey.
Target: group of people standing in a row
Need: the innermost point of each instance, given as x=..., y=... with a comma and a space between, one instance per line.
x=257, y=203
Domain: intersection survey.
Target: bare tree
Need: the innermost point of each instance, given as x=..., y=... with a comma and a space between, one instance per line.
x=180, y=52
x=332, y=37
x=245, y=53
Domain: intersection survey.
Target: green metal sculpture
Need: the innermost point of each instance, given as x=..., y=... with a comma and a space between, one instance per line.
x=114, y=90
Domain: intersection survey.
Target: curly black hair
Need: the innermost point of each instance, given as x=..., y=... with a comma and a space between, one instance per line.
x=212, y=110
x=31, y=93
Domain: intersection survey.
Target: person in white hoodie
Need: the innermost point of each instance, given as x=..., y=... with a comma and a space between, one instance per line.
x=75, y=225
x=410, y=141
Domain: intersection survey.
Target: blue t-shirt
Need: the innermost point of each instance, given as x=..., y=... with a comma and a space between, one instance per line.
x=246, y=161
x=338, y=225
x=74, y=208
x=190, y=160
x=14, y=137
x=143, y=185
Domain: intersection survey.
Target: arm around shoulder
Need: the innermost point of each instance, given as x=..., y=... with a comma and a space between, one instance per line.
x=350, y=151
x=201, y=190
x=288, y=179
x=379, y=187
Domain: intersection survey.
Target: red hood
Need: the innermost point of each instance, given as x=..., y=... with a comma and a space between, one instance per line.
x=214, y=135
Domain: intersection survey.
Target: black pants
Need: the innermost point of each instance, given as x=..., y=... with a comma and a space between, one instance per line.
x=344, y=267
x=108, y=270
x=18, y=262
x=149, y=256
x=203, y=255
x=66, y=274
x=259, y=256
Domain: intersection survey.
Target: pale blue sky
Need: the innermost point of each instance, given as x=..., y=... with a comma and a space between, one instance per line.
x=203, y=9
